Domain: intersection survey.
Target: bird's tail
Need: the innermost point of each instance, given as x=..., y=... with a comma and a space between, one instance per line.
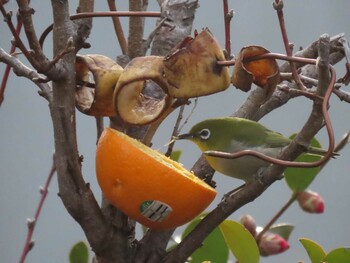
x=320, y=151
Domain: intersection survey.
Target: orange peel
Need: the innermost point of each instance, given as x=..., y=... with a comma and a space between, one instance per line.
x=263, y=72
x=147, y=186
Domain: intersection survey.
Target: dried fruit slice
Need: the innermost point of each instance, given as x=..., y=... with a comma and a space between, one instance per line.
x=263, y=72
x=96, y=77
x=147, y=186
x=131, y=105
x=191, y=67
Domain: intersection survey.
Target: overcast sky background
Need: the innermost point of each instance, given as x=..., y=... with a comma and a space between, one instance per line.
x=26, y=143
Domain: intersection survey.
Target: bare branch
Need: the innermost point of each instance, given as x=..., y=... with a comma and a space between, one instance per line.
x=22, y=70
x=7, y=69
x=147, y=43
x=32, y=222
x=37, y=58
x=118, y=28
x=228, y=15
x=76, y=195
x=342, y=95
x=311, y=51
x=18, y=41
x=136, y=27
x=84, y=25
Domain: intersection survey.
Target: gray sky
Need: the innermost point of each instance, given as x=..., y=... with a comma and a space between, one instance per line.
x=26, y=143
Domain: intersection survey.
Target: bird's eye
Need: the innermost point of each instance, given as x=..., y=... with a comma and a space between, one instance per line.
x=204, y=134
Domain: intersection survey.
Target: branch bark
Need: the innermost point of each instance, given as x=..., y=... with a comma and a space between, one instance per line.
x=22, y=70
x=74, y=192
x=136, y=28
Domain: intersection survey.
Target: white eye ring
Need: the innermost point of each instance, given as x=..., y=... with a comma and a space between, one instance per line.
x=204, y=134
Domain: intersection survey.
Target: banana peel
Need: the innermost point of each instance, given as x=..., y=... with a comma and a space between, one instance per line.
x=96, y=77
x=263, y=72
x=191, y=68
x=131, y=105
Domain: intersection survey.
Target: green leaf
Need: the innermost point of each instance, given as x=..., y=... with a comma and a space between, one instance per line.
x=284, y=230
x=338, y=255
x=214, y=247
x=240, y=241
x=79, y=253
x=298, y=179
x=175, y=155
x=314, y=250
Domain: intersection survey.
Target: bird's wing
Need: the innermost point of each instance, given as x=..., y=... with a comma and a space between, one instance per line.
x=254, y=134
x=275, y=139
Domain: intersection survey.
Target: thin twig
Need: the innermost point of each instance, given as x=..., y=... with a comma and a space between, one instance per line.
x=37, y=57
x=289, y=76
x=23, y=71
x=342, y=95
x=99, y=127
x=343, y=142
x=100, y=14
x=17, y=39
x=118, y=28
x=7, y=69
x=69, y=48
x=276, y=217
x=189, y=115
x=147, y=43
x=29, y=243
x=278, y=5
x=298, y=92
x=227, y=22
x=175, y=130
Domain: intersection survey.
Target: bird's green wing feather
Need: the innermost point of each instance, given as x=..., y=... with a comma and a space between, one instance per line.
x=255, y=134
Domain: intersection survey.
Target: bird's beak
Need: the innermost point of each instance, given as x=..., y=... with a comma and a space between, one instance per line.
x=185, y=136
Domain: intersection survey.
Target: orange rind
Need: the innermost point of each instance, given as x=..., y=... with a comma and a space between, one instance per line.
x=263, y=72
x=146, y=185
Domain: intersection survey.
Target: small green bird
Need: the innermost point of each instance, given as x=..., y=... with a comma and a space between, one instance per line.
x=231, y=135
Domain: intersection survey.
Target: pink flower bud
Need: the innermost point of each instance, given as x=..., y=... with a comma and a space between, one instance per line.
x=249, y=223
x=271, y=244
x=310, y=202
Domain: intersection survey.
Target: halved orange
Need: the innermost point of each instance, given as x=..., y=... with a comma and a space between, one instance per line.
x=146, y=185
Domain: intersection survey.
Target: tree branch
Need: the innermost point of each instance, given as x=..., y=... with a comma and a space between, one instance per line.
x=76, y=195
x=7, y=69
x=118, y=28
x=22, y=70
x=136, y=28
x=32, y=222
